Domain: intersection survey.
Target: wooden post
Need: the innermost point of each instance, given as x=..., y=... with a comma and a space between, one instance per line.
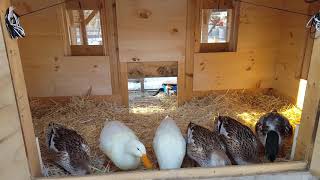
x=315, y=161
x=13, y=156
x=142, y=84
x=109, y=19
x=83, y=28
x=310, y=114
x=185, y=66
x=13, y=57
x=313, y=112
x=124, y=84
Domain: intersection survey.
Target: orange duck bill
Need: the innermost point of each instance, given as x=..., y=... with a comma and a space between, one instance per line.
x=146, y=162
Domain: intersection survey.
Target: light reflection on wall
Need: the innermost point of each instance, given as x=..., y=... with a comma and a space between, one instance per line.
x=301, y=93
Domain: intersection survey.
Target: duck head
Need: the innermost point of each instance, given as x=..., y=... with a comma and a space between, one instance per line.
x=272, y=145
x=136, y=148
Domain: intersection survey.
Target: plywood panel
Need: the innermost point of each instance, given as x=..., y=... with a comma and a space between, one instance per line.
x=69, y=76
x=294, y=56
x=252, y=66
x=151, y=30
x=231, y=70
x=47, y=70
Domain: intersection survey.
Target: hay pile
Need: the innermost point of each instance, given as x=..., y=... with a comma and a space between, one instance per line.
x=145, y=114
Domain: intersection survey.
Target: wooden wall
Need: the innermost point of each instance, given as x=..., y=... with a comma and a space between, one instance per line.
x=48, y=71
x=292, y=48
x=252, y=65
x=151, y=30
x=269, y=54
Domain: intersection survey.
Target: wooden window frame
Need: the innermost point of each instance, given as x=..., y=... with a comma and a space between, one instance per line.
x=85, y=50
x=231, y=45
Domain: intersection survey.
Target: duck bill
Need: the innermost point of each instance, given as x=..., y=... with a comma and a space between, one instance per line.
x=146, y=161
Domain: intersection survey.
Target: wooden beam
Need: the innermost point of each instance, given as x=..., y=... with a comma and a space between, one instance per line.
x=90, y=17
x=152, y=69
x=21, y=95
x=124, y=84
x=190, y=42
x=315, y=161
x=83, y=28
x=87, y=50
x=142, y=84
x=83, y=5
x=197, y=173
x=109, y=21
x=310, y=113
x=197, y=24
x=304, y=63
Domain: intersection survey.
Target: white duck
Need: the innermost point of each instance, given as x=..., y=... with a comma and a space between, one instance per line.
x=169, y=145
x=122, y=146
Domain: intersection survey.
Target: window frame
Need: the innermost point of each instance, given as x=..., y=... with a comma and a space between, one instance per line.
x=231, y=45
x=85, y=50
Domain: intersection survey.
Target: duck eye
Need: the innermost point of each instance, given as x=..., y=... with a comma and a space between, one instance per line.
x=138, y=149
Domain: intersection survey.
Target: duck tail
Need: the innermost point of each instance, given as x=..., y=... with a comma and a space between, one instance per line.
x=219, y=123
x=272, y=145
x=50, y=132
x=191, y=125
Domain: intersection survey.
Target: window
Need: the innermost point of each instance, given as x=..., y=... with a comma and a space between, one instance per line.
x=214, y=26
x=218, y=26
x=85, y=29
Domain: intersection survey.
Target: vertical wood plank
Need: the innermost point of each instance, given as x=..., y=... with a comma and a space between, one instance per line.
x=13, y=158
x=83, y=28
x=315, y=161
x=191, y=11
x=124, y=84
x=314, y=76
x=21, y=95
x=197, y=22
x=110, y=21
x=310, y=114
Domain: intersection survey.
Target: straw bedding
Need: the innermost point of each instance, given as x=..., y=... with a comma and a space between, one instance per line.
x=145, y=113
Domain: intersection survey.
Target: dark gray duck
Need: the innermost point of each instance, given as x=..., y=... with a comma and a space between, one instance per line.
x=272, y=130
x=68, y=149
x=242, y=144
x=205, y=147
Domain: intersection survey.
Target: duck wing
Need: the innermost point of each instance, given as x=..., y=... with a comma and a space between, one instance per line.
x=241, y=143
x=204, y=140
x=60, y=139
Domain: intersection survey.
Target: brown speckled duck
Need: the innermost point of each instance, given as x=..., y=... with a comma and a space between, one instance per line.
x=242, y=145
x=68, y=149
x=205, y=147
x=272, y=130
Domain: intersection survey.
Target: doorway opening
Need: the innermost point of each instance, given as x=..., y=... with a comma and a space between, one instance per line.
x=152, y=94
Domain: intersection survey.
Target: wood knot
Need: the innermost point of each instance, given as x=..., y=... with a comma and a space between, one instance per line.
x=174, y=30
x=144, y=14
x=135, y=59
